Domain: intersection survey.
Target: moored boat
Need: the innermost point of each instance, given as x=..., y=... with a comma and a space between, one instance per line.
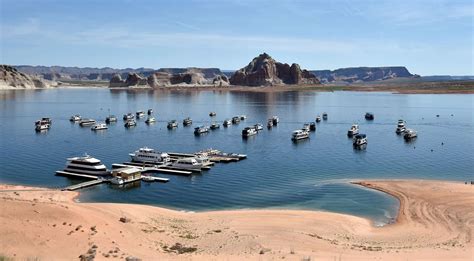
x=188, y=121
x=99, y=126
x=87, y=122
x=187, y=164
x=227, y=123
x=359, y=139
x=299, y=135
x=201, y=129
x=400, y=127
x=128, y=116
x=172, y=124
x=130, y=123
x=111, y=118
x=258, y=127
x=140, y=114
x=312, y=126
x=212, y=114
x=215, y=126
x=235, y=120
x=75, y=118
x=42, y=127
x=306, y=127
x=86, y=165
x=249, y=131
x=270, y=123
x=318, y=118
x=354, y=130
x=275, y=120
x=243, y=117
x=150, y=120
x=325, y=116
x=410, y=134
x=149, y=155
x=150, y=111
x=369, y=116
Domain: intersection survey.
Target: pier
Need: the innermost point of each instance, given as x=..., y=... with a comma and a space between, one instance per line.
x=84, y=184
x=153, y=168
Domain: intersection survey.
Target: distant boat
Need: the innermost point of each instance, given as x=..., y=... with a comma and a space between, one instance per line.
x=325, y=116
x=128, y=116
x=111, y=118
x=243, y=117
x=201, y=129
x=235, y=120
x=140, y=114
x=400, y=127
x=150, y=120
x=75, y=118
x=99, y=126
x=227, y=123
x=212, y=114
x=275, y=120
x=270, y=123
x=258, y=127
x=306, y=127
x=369, y=116
x=42, y=127
x=249, y=131
x=150, y=111
x=410, y=134
x=172, y=124
x=188, y=121
x=312, y=126
x=85, y=165
x=318, y=118
x=86, y=122
x=354, y=130
x=130, y=123
x=299, y=135
x=359, y=140
x=215, y=126
x=149, y=155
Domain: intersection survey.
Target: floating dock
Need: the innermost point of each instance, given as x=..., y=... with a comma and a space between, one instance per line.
x=152, y=168
x=75, y=175
x=84, y=184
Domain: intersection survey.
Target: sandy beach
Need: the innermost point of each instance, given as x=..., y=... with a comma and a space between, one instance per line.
x=435, y=222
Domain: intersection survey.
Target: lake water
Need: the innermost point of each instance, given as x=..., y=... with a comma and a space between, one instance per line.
x=312, y=174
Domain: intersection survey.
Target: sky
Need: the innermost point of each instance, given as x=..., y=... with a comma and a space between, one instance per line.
x=429, y=37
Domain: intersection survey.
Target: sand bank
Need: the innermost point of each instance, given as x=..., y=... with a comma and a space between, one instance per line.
x=435, y=222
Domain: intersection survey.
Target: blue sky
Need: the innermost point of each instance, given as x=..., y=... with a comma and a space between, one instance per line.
x=429, y=37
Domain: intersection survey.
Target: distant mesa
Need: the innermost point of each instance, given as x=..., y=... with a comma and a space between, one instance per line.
x=11, y=78
x=263, y=70
x=363, y=74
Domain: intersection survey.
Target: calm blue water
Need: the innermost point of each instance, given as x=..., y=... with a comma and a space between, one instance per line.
x=312, y=174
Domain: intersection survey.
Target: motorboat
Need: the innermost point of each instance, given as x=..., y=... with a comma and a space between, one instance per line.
x=150, y=120
x=249, y=131
x=150, y=111
x=201, y=129
x=212, y=114
x=243, y=117
x=128, y=116
x=275, y=120
x=299, y=135
x=86, y=165
x=312, y=126
x=111, y=118
x=42, y=127
x=369, y=116
x=318, y=118
x=227, y=123
x=172, y=124
x=400, y=127
x=325, y=116
x=140, y=114
x=410, y=134
x=99, y=126
x=306, y=127
x=187, y=164
x=75, y=118
x=130, y=123
x=354, y=130
x=359, y=139
x=215, y=126
x=235, y=120
x=43, y=121
x=188, y=121
x=149, y=155
x=258, y=127
x=270, y=123
x=86, y=122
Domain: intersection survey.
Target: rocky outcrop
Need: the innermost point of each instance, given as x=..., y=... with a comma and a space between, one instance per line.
x=133, y=80
x=362, y=74
x=264, y=70
x=11, y=78
x=220, y=80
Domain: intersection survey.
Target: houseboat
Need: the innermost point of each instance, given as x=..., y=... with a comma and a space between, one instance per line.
x=125, y=175
x=299, y=135
x=128, y=116
x=99, y=126
x=75, y=118
x=150, y=120
x=306, y=127
x=249, y=131
x=150, y=111
x=130, y=123
x=243, y=117
x=172, y=124
x=325, y=116
x=318, y=118
x=227, y=123
x=359, y=140
x=85, y=165
x=86, y=122
x=42, y=127
x=235, y=120
x=270, y=123
x=312, y=126
x=400, y=127
x=201, y=129
x=212, y=114
x=275, y=120
x=140, y=114
x=149, y=155
x=110, y=119
x=188, y=121
x=187, y=164
x=354, y=130
x=410, y=134
x=258, y=127
x=215, y=126
x=369, y=116
x=43, y=121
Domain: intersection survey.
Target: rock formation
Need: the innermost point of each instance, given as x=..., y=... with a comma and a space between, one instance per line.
x=362, y=74
x=264, y=70
x=11, y=78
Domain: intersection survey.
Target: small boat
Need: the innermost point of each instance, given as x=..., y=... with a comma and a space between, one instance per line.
x=215, y=125
x=172, y=124
x=410, y=134
x=299, y=135
x=227, y=123
x=249, y=131
x=99, y=126
x=75, y=118
x=212, y=114
x=318, y=118
x=150, y=111
x=116, y=181
x=354, y=130
x=243, y=117
x=275, y=120
x=369, y=116
x=270, y=123
x=140, y=114
x=111, y=118
x=150, y=120
x=258, y=127
x=187, y=164
x=148, y=155
x=130, y=123
x=86, y=122
x=188, y=121
x=200, y=130
x=312, y=126
x=359, y=139
x=400, y=127
x=128, y=116
x=306, y=127
x=235, y=120
x=43, y=121
x=147, y=178
x=325, y=116
x=42, y=127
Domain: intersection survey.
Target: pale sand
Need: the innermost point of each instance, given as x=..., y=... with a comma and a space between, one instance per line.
x=435, y=222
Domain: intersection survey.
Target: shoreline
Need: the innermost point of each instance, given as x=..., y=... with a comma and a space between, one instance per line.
x=435, y=221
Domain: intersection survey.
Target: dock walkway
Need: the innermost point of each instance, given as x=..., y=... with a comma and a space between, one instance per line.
x=84, y=184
